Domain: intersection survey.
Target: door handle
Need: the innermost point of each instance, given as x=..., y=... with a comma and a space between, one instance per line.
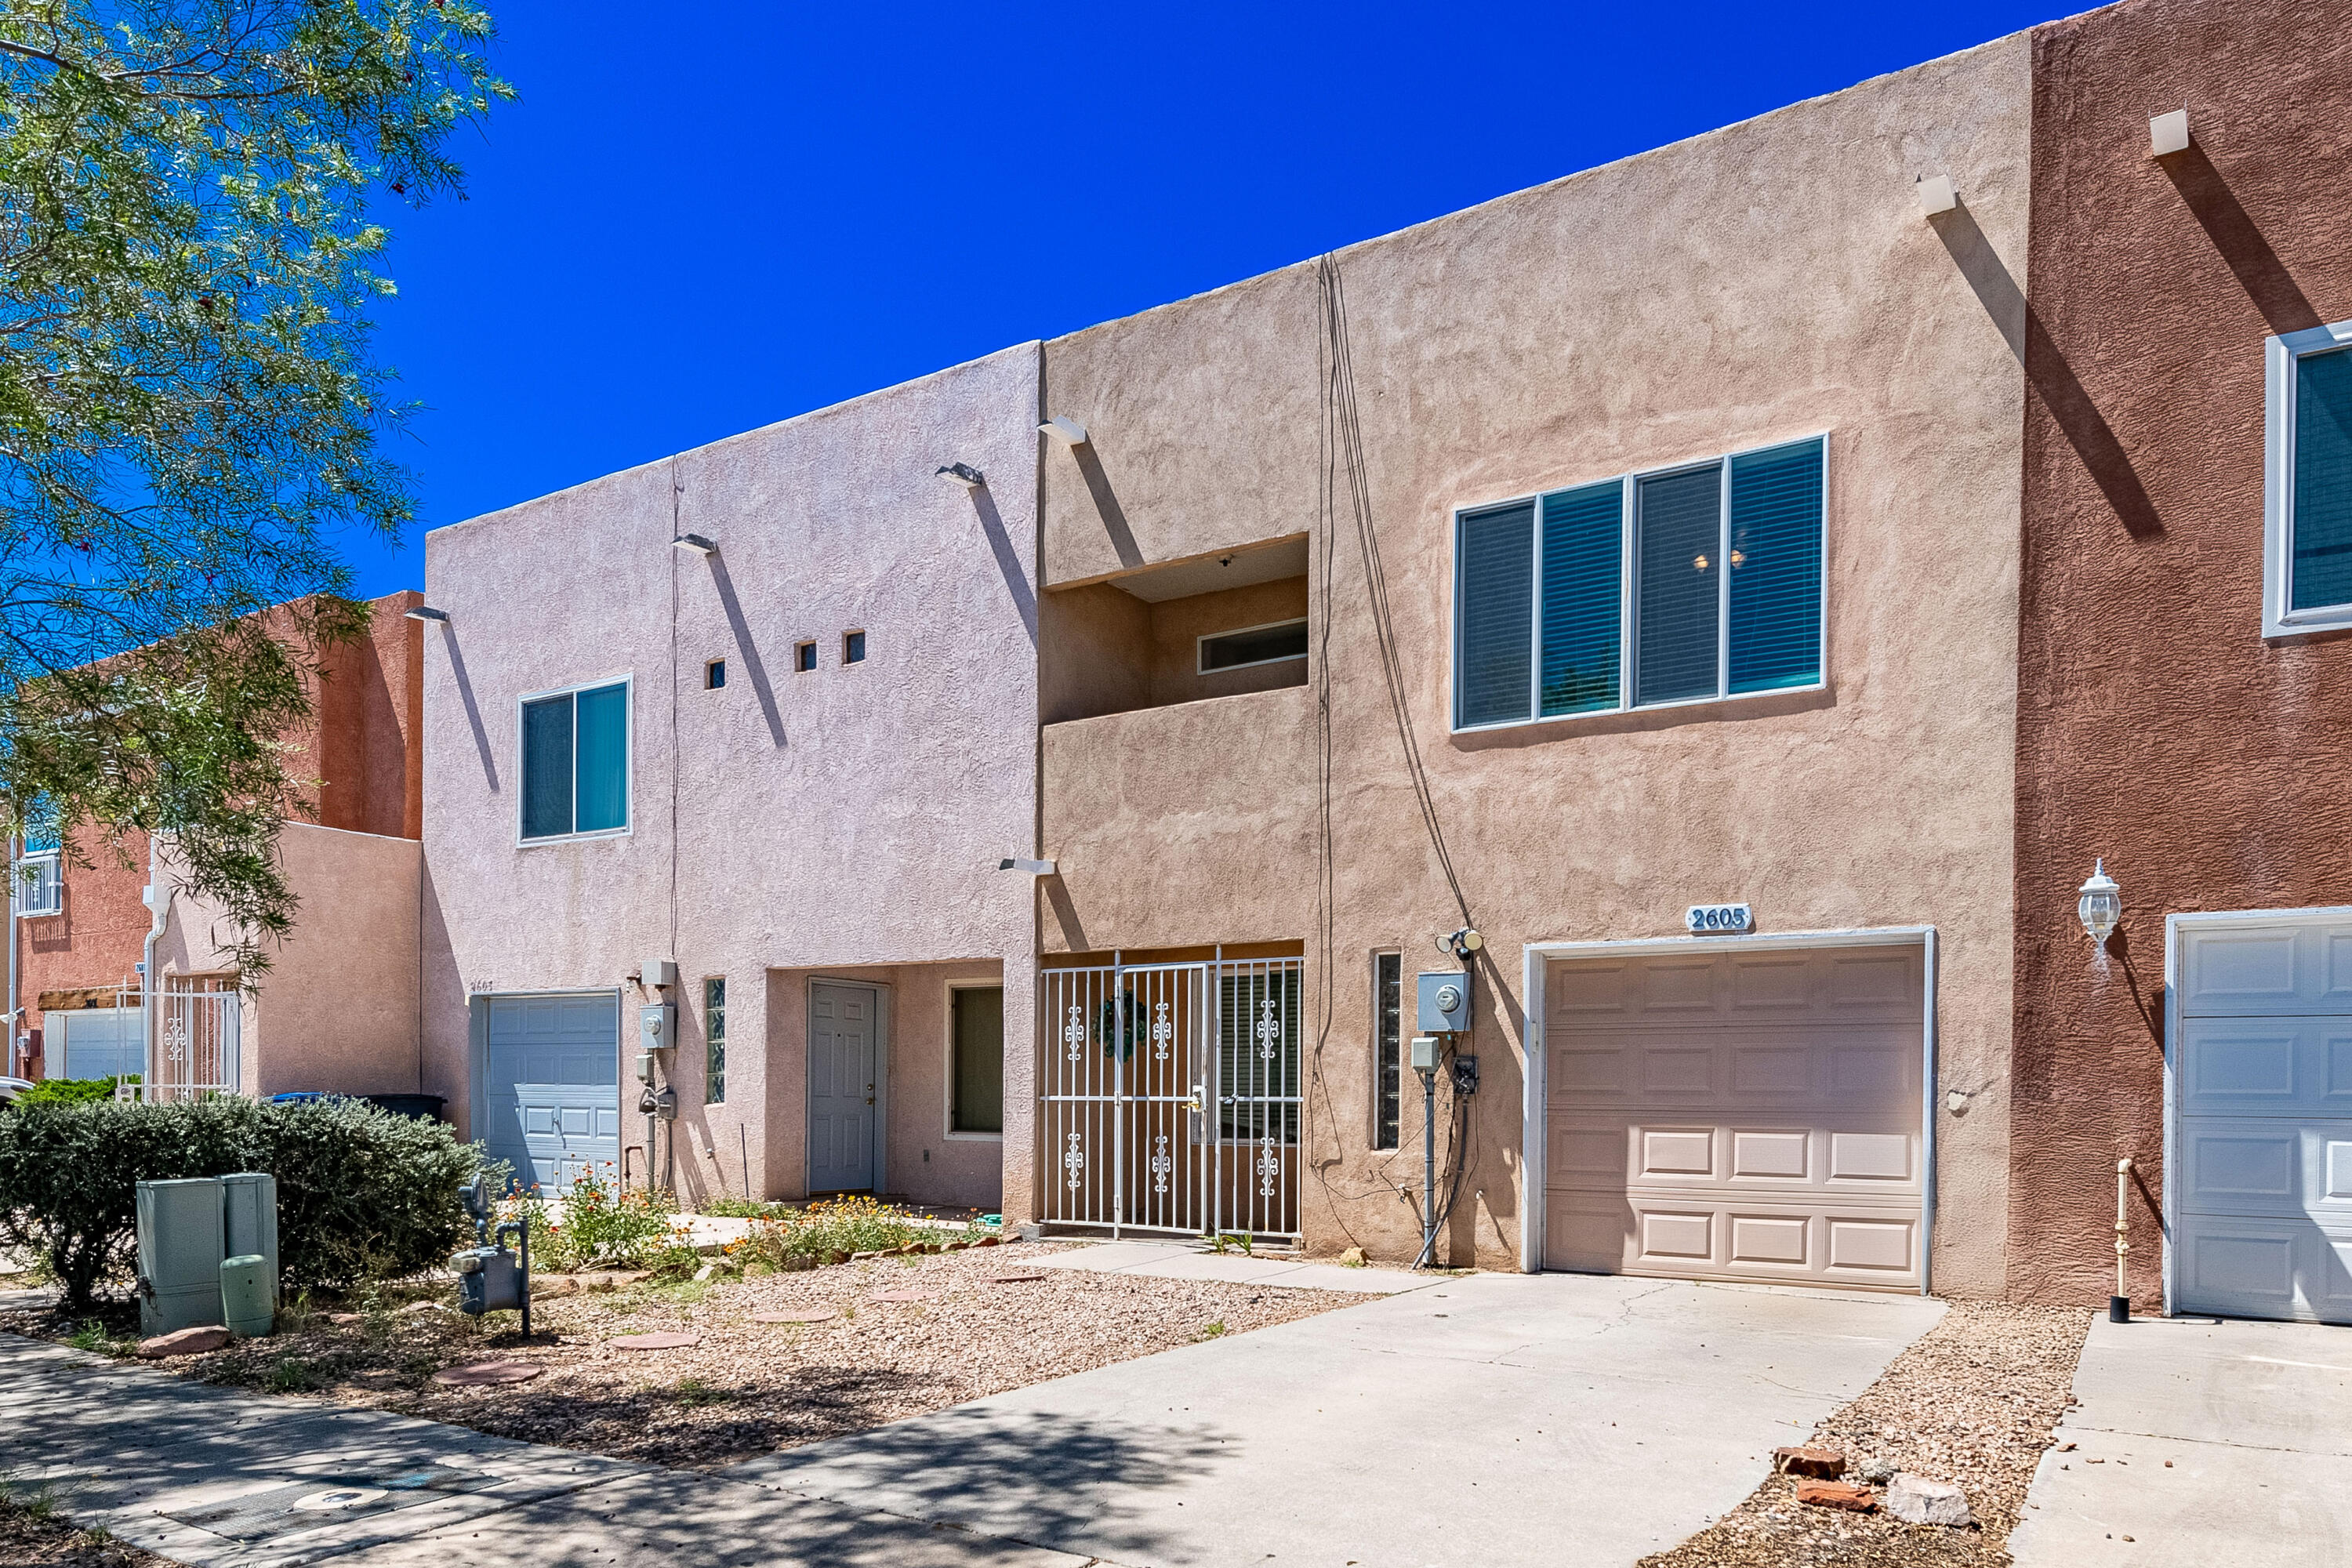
x=869, y=1094
x=1194, y=1104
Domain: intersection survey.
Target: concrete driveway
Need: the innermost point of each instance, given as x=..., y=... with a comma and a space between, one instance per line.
x=2200, y=1443
x=1491, y=1420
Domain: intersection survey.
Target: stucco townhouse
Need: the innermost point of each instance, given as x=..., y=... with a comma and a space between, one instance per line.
x=117, y=968
x=1606, y=605
x=726, y=751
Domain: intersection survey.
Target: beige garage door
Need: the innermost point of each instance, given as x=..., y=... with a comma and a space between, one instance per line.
x=1748, y=1115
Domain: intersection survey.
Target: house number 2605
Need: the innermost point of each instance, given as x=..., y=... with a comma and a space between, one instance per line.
x=1702, y=918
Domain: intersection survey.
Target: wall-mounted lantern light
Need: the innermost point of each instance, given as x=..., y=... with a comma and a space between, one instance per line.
x=2100, y=905
x=1936, y=194
x=425, y=613
x=963, y=474
x=1461, y=943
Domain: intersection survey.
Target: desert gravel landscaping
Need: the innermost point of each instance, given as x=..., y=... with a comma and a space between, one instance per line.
x=1974, y=1402
x=945, y=1331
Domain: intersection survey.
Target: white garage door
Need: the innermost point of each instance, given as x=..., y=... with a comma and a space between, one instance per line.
x=1749, y=1115
x=551, y=1085
x=2262, y=1092
x=95, y=1042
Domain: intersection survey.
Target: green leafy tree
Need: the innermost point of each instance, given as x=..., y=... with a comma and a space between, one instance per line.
x=190, y=419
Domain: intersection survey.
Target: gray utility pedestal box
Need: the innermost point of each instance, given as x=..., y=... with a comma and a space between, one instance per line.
x=186, y=1229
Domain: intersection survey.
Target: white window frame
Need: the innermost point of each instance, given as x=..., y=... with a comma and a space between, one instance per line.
x=1200, y=647
x=53, y=878
x=1627, y=585
x=2279, y=356
x=947, y=1083
x=627, y=683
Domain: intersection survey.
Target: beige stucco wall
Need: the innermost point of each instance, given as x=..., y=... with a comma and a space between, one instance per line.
x=846, y=818
x=337, y=1008
x=1770, y=280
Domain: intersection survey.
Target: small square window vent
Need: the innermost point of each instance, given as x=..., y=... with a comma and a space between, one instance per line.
x=714, y=675
x=853, y=647
x=804, y=655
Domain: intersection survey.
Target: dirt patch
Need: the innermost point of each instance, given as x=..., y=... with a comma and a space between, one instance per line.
x=748, y=1387
x=31, y=1536
x=1974, y=1401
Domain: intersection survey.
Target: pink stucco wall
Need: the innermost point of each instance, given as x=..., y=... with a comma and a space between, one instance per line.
x=846, y=818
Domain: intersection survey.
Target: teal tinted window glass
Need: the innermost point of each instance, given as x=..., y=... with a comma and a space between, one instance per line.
x=1582, y=533
x=2322, y=481
x=547, y=767
x=1776, y=568
x=41, y=826
x=604, y=790
x=1677, y=529
x=1492, y=656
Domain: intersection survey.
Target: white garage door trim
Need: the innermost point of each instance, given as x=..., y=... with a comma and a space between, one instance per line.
x=2176, y=928
x=1533, y=1111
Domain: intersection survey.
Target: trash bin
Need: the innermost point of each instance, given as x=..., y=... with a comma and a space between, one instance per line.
x=302, y=1097
x=424, y=1107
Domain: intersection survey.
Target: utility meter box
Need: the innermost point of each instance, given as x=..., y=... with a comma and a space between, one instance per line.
x=249, y=1222
x=1444, y=1002
x=181, y=1247
x=656, y=1026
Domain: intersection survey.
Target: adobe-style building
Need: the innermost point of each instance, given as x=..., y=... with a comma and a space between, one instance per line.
x=2185, y=677
x=336, y=1010
x=746, y=733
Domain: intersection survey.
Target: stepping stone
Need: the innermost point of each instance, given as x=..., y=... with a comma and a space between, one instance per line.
x=815, y=1315
x=900, y=1296
x=483, y=1374
x=184, y=1342
x=345, y=1320
x=660, y=1340
x=1014, y=1278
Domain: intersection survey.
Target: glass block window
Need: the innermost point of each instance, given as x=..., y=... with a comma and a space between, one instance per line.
x=714, y=1041
x=1387, y=1047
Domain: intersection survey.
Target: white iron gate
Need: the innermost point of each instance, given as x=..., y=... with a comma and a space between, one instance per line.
x=196, y=1051
x=1172, y=1096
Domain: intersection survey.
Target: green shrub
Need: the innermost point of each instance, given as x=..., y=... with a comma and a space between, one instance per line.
x=71, y=1090
x=361, y=1193
x=598, y=1222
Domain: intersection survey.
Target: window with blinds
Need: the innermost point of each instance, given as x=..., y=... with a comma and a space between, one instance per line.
x=1695, y=583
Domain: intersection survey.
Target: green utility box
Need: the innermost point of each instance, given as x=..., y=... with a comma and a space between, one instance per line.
x=247, y=1303
x=188, y=1229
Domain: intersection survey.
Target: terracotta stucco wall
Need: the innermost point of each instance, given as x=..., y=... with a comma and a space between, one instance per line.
x=1770, y=280
x=849, y=817
x=358, y=759
x=2156, y=727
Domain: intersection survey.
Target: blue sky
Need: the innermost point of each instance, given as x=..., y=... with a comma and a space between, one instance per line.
x=705, y=217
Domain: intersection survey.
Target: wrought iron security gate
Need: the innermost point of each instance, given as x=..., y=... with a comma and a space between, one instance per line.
x=1172, y=1096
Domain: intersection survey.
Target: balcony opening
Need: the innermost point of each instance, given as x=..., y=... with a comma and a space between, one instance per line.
x=1184, y=631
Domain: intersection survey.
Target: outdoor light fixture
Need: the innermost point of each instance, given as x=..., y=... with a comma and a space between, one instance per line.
x=1064, y=429
x=2167, y=135
x=1034, y=868
x=1461, y=943
x=695, y=543
x=425, y=613
x=1936, y=194
x=2100, y=905
x=963, y=474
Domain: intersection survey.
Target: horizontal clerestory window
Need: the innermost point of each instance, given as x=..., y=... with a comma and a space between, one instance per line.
x=1689, y=584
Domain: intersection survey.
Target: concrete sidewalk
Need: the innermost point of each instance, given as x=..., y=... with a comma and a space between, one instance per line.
x=2200, y=1444
x=1487, y=1421
x=1187, y=1260
x=224, y=1480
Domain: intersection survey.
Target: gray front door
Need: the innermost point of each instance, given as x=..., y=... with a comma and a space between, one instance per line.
x=844, y=1066
x=551, y=1086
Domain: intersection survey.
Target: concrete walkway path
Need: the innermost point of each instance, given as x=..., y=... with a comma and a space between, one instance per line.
x=2200, y=1444
x=1487, y=1421
x=1186, y=1260
x=224, y=1480
x=1492, y=1420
